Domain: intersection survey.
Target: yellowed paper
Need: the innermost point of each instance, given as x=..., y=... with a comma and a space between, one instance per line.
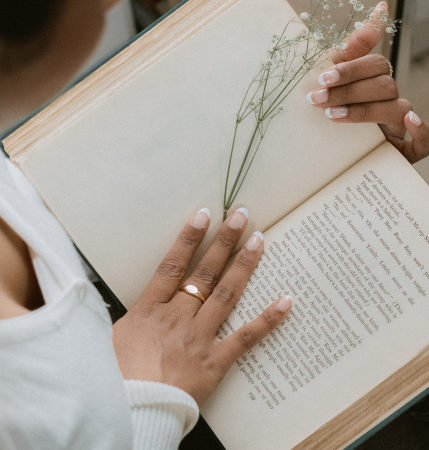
x=126, y=175
x=355, y=259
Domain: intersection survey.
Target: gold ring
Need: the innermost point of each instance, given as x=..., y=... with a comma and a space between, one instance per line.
x=192, y=290
x=391, y=68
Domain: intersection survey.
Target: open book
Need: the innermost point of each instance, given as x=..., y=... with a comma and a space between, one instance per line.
x=127, y=156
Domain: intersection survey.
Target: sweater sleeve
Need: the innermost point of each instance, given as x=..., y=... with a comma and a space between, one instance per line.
x=161, y=415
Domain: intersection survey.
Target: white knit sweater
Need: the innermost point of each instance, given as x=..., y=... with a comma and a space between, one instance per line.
x=60, y=385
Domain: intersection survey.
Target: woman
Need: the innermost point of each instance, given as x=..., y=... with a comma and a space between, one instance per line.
x=61, y=383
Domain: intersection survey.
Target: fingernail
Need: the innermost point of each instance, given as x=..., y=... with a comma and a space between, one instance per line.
x=284, y=303
x=319, y=96
x=382, y=3
x=238, y=219
x=415, y=119
x=201, y=218
x=329, y=77
x=337, y=112
x=255, y=241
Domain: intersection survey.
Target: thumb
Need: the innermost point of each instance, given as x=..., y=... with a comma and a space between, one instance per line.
x=361, y=42
x=418, y=148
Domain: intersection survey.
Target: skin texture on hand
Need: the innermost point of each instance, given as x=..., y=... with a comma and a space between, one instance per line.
x=359, y=88
x=170, y=337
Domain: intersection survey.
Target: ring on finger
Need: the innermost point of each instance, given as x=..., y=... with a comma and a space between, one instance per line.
x=192, y=290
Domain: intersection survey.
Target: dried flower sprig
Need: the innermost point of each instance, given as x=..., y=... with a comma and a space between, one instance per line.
x=288, y=61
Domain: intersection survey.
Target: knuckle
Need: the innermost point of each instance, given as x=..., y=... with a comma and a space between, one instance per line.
x=223, y=294
x=380, y=60
x=189, y=239
x=404, y=106
x=348, y=70
x=214, y=366
x=246, y=338
x=143, y=309
x=363, y=41
x=390, y=85
x=172, y=318
x=206, y=275
x=191, y=339
x=243, y=261
x=364, y=112
x=224, y=241
x=346, y=93
x=269, y=320
x=171, y=268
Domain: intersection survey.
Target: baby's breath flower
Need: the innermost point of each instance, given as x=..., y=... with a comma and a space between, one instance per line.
x=287, y=61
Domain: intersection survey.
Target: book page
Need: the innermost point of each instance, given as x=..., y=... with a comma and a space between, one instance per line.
x=125, y=176
x=355, y=258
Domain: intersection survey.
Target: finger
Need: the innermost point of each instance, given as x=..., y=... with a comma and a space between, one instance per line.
x=387, y=112
x=375, y=89
x=418, y=148
x=359, y=69
x=172, y=269
x=361, y=42
x=227, y=292
x=247, y=336
x=208, y=271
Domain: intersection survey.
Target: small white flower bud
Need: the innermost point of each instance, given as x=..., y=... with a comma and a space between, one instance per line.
x=358, y=25
x=305, y=16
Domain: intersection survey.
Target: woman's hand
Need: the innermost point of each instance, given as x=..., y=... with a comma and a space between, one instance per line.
x=359, y=88
x=170, y=336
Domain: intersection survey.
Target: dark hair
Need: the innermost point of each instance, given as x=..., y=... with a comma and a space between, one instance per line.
x=24, y=29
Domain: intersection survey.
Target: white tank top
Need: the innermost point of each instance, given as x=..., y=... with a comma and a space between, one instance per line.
x=60, y=386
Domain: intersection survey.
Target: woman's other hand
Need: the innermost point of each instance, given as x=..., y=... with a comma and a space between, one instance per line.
x=170, y=337
x=359, y=88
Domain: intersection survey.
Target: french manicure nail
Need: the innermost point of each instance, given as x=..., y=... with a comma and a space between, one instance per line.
x=415, y=119
x=381, y=3
x=319, y=96
x=337, y=112
x=201, y=218
x=238, y=219
x=255, y=241
x=329, y=77
x=284, y=303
